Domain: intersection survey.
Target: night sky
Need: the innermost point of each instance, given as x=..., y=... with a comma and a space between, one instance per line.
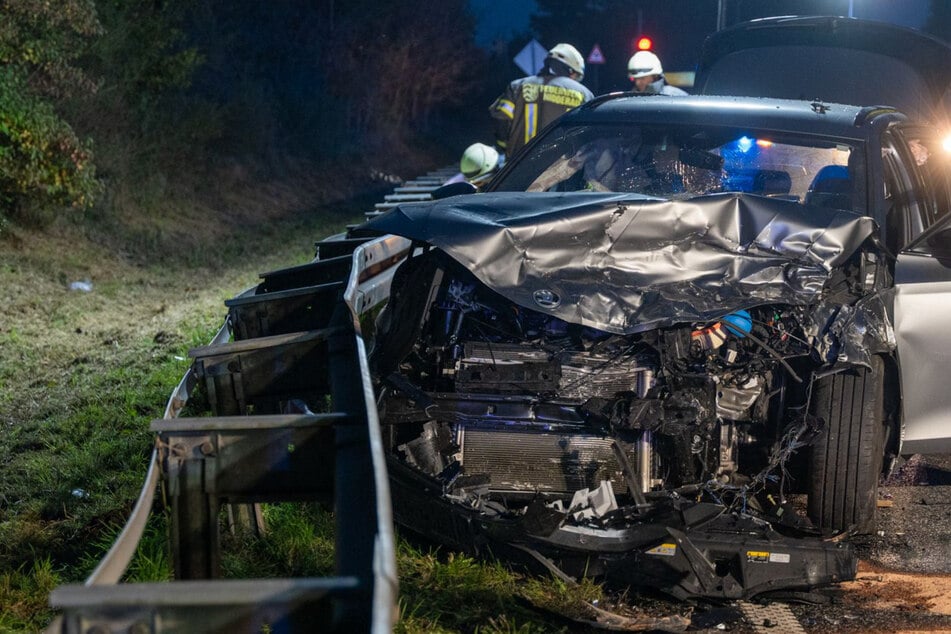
x=500, y=19
x=508, y=19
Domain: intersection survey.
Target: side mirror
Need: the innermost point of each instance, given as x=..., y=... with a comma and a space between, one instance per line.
x=454, y=189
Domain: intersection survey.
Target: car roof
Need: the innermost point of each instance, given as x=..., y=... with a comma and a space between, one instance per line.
x=781, y=115
x=831, y=58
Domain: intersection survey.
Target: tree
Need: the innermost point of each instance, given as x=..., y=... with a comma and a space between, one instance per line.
x=141, y=118
x=394, y=71
x=42, y=161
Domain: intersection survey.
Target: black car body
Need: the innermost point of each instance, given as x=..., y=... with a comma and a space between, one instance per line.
x=843, y=60
x=666, y=318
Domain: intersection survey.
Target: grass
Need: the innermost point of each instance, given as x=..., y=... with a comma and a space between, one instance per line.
x=434, y=586
x=299, y=544
x=439, y=591
x=23, y=594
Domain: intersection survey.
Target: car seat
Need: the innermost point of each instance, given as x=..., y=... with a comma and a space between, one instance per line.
x=831, y=188
x=774, y=183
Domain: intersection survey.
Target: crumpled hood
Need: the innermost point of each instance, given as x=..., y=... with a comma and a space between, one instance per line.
x=623, y=264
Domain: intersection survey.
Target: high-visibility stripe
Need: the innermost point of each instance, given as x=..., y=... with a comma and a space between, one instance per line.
x=507, y=107
x=531, y=121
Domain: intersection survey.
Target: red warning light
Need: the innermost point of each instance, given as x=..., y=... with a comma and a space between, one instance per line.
x=644, y=43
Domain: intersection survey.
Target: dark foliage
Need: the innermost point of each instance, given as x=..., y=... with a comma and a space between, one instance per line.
x=174, y=85
x=329, y=78
x=42, y=161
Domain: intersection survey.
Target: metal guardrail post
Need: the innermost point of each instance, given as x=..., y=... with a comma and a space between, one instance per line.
x=195, y=542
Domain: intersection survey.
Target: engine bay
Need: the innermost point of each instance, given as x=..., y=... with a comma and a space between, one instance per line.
x=503, y=406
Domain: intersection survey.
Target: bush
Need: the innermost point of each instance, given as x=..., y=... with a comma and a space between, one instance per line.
x=41, y=159
x=42, y=162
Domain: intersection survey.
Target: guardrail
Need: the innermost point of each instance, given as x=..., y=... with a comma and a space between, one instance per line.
x=296, y=335
x=418, y=189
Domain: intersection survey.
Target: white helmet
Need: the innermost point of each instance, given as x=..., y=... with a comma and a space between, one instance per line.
x=570, y=56
x=478, y=160
x=644, y=64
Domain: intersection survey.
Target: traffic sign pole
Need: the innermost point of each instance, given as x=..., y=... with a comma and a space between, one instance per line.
x=595, y=60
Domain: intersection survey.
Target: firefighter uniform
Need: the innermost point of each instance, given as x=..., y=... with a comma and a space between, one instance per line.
x=531, y=103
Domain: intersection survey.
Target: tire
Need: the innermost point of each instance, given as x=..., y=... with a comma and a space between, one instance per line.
x=846, y=459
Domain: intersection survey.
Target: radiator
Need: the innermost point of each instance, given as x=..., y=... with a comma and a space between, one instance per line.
x=536, y=460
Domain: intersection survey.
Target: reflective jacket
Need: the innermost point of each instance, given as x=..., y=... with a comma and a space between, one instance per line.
x=531, y=103
x=661, y=87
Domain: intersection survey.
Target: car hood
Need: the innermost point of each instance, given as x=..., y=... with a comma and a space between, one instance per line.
x=832, y=59
x=624, y=264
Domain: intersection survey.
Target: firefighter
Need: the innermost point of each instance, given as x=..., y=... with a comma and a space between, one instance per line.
x=645, y=71
x=531, y=103
x=478, y=165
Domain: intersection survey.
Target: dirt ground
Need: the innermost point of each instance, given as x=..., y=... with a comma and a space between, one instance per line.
x=903, y=583
x=880, y=601
x=899, y=591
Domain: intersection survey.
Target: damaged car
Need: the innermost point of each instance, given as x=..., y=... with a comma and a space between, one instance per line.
x=670, y=345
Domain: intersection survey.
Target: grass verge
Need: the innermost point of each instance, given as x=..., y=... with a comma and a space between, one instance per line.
x=95, y=326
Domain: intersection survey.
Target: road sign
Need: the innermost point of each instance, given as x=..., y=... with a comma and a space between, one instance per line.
x=596, y=56
x=531, y=58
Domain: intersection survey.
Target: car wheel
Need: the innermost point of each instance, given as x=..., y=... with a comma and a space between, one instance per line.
x=846, y=459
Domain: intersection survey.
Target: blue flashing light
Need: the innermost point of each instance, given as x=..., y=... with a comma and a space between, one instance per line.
x=744, y=144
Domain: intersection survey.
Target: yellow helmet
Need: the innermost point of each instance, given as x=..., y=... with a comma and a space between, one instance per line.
x=478, y=160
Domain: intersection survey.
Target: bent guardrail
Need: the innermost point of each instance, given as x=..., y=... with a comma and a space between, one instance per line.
x=296, y=333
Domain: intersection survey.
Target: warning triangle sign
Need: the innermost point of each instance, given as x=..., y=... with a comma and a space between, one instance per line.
x=596, y=56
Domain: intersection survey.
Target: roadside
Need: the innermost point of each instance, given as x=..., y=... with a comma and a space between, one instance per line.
x=96, y=318
x=74, y=293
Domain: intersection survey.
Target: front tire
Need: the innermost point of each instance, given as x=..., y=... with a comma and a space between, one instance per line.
x=846, y=459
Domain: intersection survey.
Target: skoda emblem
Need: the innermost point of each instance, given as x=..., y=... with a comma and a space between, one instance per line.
x=546, y=298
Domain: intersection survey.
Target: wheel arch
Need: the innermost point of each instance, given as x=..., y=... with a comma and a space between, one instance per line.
x=891, y=401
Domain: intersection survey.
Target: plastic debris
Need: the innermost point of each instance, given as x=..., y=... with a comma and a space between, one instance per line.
x=587, y=504
x=81, y=285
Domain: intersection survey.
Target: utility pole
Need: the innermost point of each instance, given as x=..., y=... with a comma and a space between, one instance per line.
x=721, y=14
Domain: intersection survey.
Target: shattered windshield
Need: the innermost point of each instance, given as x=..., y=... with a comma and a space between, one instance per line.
x=681, y=162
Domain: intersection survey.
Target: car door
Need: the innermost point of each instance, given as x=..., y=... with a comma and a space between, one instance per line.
x=917, y=196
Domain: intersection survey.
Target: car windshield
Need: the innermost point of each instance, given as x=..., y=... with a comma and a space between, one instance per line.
x=680, y=162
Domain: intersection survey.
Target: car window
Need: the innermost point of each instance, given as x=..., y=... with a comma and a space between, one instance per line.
x=916, y=186
x=678, y=162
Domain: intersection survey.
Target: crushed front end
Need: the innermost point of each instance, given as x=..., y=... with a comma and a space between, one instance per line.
x=659, y=451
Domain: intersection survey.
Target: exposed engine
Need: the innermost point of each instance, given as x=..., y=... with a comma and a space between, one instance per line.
x=502, y=404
